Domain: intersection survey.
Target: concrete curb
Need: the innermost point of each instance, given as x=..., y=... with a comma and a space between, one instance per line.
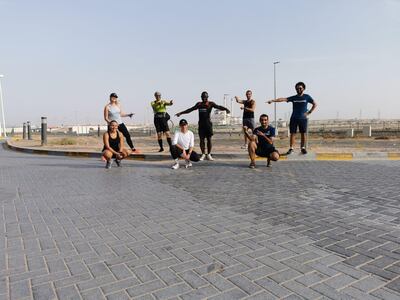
x=311, y=156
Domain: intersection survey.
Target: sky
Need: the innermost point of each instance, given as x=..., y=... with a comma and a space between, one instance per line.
x=62, y=59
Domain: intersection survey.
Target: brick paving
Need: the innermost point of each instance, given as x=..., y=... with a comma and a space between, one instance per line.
x=300, y=230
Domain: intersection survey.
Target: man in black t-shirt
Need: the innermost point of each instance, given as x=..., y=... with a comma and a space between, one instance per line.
x=205, y=125
x=261, y=142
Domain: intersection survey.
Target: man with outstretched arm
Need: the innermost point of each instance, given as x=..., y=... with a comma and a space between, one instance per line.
x=249, y=107
x=261, y=142
x=299, y=118
x=205, y=125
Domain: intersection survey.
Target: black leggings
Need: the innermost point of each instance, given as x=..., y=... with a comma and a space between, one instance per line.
x=125, y=132
x=176, y=153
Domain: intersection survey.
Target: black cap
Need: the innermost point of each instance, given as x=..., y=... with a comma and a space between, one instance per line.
x=183, y=122
x=114, y=95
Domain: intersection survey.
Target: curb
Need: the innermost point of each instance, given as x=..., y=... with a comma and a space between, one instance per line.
x=329, y=156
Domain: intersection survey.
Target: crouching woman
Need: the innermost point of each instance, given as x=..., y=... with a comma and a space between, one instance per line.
x=114, y=145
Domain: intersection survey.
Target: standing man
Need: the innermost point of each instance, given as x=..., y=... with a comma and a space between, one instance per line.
x=182, y=146
x=161, y=118
x=205, y=125
x=299, y=116
x=249, y=107
x=261, y=142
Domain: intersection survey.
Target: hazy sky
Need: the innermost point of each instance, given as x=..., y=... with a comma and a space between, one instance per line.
x=61, y=59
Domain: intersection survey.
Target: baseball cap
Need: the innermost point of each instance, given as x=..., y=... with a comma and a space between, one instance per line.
x=183, y=122
x=113, y=95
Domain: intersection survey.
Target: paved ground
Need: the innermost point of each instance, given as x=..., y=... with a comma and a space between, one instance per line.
x=222, y=143
x=313, y=230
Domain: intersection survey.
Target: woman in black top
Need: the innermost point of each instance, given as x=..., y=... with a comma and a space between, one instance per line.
x=114, y=145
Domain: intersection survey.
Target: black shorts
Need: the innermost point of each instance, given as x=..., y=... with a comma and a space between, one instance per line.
x=206, y=130
x=265, y=151
x=161, y=124
x=301, y=123
x=249, y=122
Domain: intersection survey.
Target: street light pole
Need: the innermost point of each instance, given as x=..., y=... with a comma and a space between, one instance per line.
x=276, y=125
x=225, y=105
x=3, y=123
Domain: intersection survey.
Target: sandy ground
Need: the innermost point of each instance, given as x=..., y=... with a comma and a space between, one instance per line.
x=221, y=143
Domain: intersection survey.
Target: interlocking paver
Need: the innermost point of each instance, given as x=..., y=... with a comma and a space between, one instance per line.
x=332, y=232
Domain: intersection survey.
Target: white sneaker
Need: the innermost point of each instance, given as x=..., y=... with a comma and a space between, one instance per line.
x=202, y=157
x=175, y=166
x=244, y=146
x=188, y=164
x=209, y=157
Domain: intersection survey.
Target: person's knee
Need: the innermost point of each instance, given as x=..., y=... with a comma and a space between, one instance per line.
x=159, y=135
x=125, y=153
x=107, y=154
x=274, y=156
x=252, y=144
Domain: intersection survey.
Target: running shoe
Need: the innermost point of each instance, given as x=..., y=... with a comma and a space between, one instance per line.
x=175, y=166
x=269, y=164
x=108, y=164
x=188, y=164
x=118, y=162
x=202, y=157
x=244, y=146
x=209, y=157
x=290, y=151
x=252, y=165
x=303, y=150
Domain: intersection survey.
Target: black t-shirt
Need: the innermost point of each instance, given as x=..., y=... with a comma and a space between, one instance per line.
x=205, y=109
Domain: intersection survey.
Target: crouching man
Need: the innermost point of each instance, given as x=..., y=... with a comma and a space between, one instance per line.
x=261, y=143
x=182, y=146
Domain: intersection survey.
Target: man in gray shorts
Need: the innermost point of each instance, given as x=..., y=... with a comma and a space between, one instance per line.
x=249, y=106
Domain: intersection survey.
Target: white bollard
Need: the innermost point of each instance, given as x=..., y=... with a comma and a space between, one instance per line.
x=350, y=132
x=367, y=131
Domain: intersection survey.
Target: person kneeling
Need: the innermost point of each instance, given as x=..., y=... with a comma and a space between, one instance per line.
x=261, y=143
x=114, y=145
x=182, y=146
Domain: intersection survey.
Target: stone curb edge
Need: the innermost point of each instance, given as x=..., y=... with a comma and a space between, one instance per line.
x=157, y=157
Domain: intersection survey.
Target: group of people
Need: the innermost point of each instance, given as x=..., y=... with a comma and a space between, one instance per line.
x=257, y=140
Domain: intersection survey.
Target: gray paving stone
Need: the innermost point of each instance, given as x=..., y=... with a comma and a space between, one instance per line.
x=369, y=284
x=145, y=288
x=200, y=293
x=43, y=292
x=194, y=280
x=273, y=287
x=69, y=292
x=20, y=289
x=301, y=290
x=219, y=282
x=93, y=294
x=230, y=295
x=171, y=291
x=386, y=294
x=245, y=284
x=357, y=294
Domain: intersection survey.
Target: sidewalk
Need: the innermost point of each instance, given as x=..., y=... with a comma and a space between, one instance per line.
x=218, y=154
